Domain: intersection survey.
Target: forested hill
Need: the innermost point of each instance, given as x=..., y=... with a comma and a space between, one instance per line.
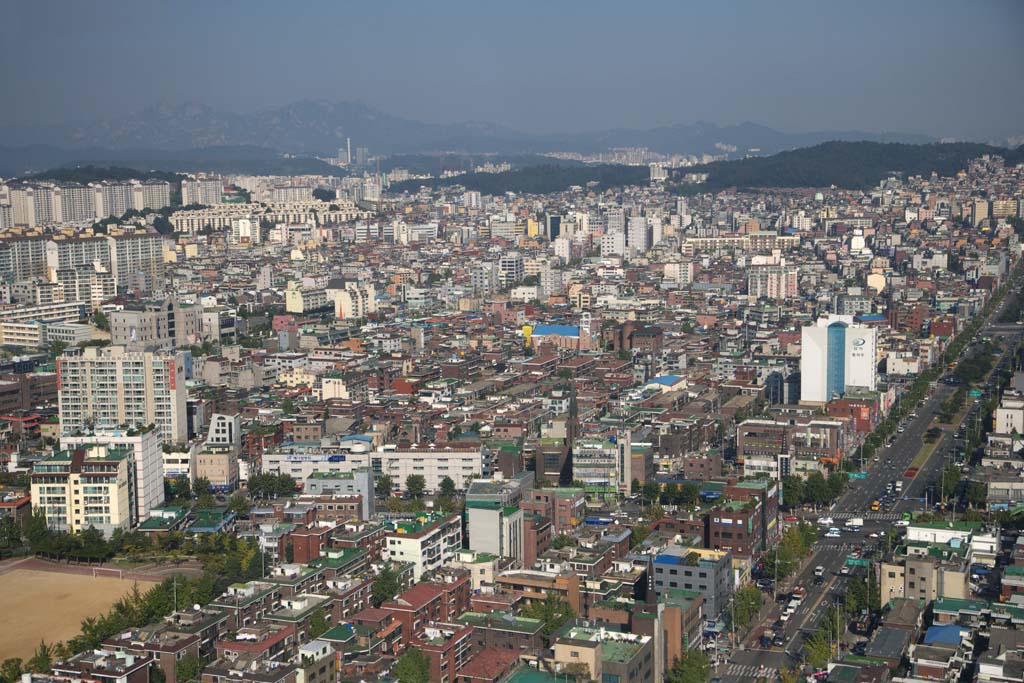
x=92, y=174
x=853, y=165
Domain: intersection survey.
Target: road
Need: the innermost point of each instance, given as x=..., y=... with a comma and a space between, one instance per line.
x=751, y=661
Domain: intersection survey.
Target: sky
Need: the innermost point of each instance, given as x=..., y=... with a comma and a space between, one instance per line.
x=940, y=67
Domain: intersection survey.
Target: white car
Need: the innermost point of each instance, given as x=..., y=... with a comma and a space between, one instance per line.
x=833, y=533
x=901, y=522
x=825, y=521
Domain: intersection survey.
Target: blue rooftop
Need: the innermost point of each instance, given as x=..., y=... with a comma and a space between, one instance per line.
x=357, y=437
x=665, y=380
x=669, y=559
x=948, y=634
x=556, y=331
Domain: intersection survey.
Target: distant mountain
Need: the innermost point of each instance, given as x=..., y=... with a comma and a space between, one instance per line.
x=320, y=128
x=852, y=165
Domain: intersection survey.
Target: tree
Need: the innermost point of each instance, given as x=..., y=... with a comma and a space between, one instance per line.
x=977, y=493
x=384, y=485
x=288, y=406
x=653, y=513
x=101, y=321
x=11, y=670
x=788, y=676
x=792, y=490
x=689, y=494
x=651, y=492
x=10, y=534
x=950, y=480
x=415, y=485
x=42, y=661
x=202, y=486
x=412, y=667
x=385, y=587
x=189, y=668
x=562, y=541
x=318, y=624
x=816, y=649
x=816, y=489
x=156, y=674
x=691, y=667
x=746, y=602
x=553, y=612
x=324, y=194
x=447, y=487
x=57, y=348
x=239, y=504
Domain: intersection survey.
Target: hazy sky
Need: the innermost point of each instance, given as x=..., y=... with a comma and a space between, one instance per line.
x=946, y=68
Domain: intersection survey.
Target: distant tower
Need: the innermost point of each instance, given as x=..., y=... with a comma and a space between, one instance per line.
x=348, y=151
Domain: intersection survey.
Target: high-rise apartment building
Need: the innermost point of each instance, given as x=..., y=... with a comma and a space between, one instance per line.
x=111, y=387
x=511, y=269
x=86, y=488
x=836, y=356
x=207, y=192
x=773, y=282
x=138, y=253
x=143, y=448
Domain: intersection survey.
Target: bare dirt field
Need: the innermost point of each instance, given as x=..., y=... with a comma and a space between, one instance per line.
x=50, y=605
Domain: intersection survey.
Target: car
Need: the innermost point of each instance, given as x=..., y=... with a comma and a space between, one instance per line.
x=873, y=535
x=875, y=459
x=778, y=641
x=819, y=571
x=833, y=533
x=845, y=571
x=777, y=626
x=825, y=521
x=791, y=518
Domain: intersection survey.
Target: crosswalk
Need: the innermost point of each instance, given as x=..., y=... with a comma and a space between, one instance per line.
x=874, y=516
x=750, y=672
x=845, y=546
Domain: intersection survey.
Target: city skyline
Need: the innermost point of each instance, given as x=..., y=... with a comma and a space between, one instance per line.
x=796, y=67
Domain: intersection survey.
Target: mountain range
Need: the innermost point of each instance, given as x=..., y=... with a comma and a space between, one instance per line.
x=321, y=127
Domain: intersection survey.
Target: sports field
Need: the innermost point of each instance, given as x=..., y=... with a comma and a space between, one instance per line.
x=51, y=605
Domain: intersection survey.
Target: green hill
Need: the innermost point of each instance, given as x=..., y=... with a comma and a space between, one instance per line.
x=852, y=165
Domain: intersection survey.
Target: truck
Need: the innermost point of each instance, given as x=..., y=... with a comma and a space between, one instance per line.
x=899, y=485
x=855, y=523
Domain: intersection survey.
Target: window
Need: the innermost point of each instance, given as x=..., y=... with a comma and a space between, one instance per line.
x=574, y=653
x=703, y=575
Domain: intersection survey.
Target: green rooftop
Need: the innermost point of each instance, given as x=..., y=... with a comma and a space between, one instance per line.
x=528, y=674
x=618, y=650
x=505, y=622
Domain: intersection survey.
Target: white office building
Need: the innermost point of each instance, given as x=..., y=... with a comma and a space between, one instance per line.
x=837, y=356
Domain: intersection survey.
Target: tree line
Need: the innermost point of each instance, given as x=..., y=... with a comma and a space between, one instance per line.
x=225, y=559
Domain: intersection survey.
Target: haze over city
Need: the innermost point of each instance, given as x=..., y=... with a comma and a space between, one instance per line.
x=945, y=69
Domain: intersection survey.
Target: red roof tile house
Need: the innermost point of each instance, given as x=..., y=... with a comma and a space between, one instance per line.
x=427, y=603
x=490, y=665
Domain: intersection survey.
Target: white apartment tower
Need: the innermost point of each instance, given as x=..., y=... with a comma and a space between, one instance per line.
x=112, y=387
